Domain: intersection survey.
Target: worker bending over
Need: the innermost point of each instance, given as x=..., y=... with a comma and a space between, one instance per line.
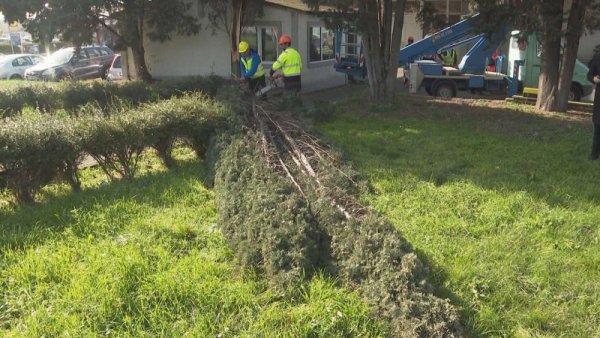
x=290, y=63
x=251, y=67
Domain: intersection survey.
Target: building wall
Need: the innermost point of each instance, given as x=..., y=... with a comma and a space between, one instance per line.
x=204, y=54
x=208, y=52
x=315, y=75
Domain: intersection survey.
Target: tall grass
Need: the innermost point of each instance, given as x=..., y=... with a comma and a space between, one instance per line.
x=501, y=203
x=145, y=258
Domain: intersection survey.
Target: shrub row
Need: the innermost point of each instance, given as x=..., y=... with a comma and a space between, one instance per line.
x=36, y=150
x=72, y=95
x=288, y=236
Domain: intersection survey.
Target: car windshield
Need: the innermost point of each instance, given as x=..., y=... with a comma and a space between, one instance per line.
x=60, y=56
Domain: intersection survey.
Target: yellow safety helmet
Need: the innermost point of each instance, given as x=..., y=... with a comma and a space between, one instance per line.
x=243, y=47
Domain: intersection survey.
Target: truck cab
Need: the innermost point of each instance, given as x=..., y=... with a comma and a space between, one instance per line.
x=526, y=53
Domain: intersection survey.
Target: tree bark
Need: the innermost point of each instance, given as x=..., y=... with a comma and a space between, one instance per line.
x=381, y=39
x=550, y=37
x=237, y=7
x=139, y=60
x=569, y=56
x=135, y=17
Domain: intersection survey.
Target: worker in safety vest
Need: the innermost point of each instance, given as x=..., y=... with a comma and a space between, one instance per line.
x=251, y=67
x=449, y=58
x=290, y=63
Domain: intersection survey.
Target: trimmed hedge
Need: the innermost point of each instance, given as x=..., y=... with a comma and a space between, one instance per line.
x=289, y=237
x=72, y=95
x=36, y=150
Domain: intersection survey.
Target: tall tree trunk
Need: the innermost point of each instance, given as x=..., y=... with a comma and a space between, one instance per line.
x=394, y=55
x=135, y=17
x=569, y=56
x=381, y=40
x=550, y=37
x=237, y=7
x=139, y=60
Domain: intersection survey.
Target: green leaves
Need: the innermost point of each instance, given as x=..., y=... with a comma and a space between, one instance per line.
x=36, y=150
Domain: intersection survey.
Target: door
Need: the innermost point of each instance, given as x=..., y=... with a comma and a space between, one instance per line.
x=19, y=66
x=96, y=64
x=81, y=65
x=533, y=63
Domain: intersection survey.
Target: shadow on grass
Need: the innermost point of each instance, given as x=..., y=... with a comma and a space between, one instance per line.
x=496, y=148
x=35, y=224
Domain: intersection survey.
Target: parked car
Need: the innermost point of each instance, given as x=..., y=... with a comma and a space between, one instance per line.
x=72, y=63
x=115, y=72
x=13, y=67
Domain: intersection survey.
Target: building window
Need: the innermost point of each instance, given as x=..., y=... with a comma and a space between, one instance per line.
x=352, y=44
x=322, y=42
x=263, y=39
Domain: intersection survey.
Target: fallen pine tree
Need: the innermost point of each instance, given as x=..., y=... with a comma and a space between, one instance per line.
x=290, y=209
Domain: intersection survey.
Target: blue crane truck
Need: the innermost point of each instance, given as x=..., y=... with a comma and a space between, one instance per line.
x=436, y=79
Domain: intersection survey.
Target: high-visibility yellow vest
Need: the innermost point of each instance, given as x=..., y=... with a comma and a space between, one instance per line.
x=290, y=62
x=448, y=57
x=260, y=71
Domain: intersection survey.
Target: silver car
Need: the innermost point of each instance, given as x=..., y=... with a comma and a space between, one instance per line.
x=13, y=67
x=115, y=72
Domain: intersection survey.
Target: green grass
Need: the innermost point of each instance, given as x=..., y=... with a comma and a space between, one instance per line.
x=501, y=203
x=6, y=84
x=145, y=258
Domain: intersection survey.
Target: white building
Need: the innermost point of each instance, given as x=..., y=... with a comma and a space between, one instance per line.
x=209, y=52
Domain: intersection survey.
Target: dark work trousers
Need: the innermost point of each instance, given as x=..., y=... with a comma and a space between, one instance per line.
x=596, y=142
x=257, y=84
x=293, y=83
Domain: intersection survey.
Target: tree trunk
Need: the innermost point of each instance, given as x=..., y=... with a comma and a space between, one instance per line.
x=569, y=57
x=135, y=17
x=381, y=39
x=139, y=60
x=550, y=37
x=237, y=7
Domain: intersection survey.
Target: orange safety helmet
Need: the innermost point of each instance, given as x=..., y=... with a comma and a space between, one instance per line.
x=285, y=39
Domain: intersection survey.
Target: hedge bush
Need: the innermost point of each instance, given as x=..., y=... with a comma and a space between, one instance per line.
x=36, y=150
x=71, y=95
x=290, y=236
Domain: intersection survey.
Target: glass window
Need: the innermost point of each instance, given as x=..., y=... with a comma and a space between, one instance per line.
x=117, y=63
x=269, y=44
x=93, y=53
x=322, y=42
x=352, y=44
x=21, y=62
x=36, y=59
x=262, y=39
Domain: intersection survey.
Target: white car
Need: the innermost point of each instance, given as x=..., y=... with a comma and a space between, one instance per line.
x=115, y=72
x=13, y=66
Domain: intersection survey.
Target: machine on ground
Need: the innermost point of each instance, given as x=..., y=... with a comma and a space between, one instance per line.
x=436, y=79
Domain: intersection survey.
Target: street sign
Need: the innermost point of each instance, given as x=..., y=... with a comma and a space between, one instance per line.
x=15, y=39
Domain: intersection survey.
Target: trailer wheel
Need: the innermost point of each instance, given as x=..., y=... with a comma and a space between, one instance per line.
x=576, y=93
x=444, y=89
